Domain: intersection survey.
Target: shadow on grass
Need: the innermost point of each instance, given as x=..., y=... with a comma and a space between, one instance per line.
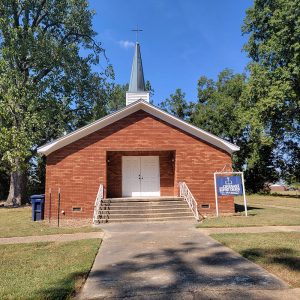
x=241, y=208
x=2, y=206
x=284, y=195
x=63, y=289
x=282, y=256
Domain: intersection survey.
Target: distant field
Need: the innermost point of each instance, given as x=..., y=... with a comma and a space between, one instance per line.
x=277, y=200
x=291, y=193
x=262, y=211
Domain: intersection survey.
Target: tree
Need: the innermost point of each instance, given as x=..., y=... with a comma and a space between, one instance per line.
x=177, y=105
x=222, y=109
x=150, y=90
x=117, y=97
x=219, y=108
x=46, y=83
x=273, y=91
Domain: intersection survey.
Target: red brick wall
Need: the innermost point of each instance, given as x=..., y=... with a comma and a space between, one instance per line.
x=78, y=169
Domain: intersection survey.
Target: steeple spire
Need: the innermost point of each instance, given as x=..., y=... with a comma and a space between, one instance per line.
x=137, y=82
x=137, y=89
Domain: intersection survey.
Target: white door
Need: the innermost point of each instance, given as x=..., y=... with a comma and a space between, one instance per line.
x=131, y=183
x=140, y=176
x=150, y=179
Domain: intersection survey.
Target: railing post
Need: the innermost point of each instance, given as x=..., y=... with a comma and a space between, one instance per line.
x=189, y=198
x=98, y=201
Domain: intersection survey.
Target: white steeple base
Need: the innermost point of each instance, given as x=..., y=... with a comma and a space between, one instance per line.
x=132, y=97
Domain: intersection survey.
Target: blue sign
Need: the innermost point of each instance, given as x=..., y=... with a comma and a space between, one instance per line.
x=229, y=185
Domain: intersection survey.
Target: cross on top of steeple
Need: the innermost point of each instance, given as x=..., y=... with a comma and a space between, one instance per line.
x=137, y=30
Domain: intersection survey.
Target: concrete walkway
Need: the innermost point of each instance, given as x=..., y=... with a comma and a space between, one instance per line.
x=51, y=238
x=252, y=229
x=175, y=261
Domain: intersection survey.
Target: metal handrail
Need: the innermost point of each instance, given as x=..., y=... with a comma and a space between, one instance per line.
x=98, y=203
x=189, y=198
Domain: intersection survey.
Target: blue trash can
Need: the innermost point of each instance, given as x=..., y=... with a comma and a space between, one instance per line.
x=37, y=203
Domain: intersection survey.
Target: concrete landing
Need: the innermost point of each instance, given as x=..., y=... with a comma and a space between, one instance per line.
x=174, y=261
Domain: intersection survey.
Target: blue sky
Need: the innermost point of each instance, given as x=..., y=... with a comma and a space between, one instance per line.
x=181, y=40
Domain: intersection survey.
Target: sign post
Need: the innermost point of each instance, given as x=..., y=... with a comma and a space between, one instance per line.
x=216, y=194
x=229, y=184
x=245, y=201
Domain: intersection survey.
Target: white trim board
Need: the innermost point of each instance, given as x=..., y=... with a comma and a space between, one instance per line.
x=128, y=110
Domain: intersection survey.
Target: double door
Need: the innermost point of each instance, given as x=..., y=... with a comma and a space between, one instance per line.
x=140, y=176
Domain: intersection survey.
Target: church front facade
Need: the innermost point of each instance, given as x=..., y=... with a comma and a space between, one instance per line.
x=139, y=151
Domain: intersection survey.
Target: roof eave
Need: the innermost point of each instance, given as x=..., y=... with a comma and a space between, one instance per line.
x=140, y=104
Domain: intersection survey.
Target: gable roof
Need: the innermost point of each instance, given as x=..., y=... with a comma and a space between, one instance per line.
x=128, y=110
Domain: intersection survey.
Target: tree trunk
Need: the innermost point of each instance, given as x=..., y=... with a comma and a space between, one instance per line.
x=17, y=195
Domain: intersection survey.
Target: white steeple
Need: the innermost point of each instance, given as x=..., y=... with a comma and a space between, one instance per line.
x=137, y=88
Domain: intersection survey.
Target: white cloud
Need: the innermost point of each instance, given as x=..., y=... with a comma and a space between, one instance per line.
x=126, y=44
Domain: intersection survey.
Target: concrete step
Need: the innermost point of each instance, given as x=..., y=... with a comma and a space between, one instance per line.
x=147, y=215
x=144, y=209
x=141, y=210
x=157, y=219
x=142, y=199
x=143, y=204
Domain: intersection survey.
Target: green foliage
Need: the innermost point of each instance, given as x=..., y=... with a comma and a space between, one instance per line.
x=260, y=113
x=150, y=89
x=223, y=109
x=274, y=84
x=177, y=105
x=219, y=105
x=117, y=97
x=46, y=83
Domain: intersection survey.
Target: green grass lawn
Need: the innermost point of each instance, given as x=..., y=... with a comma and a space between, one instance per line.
x=279, y=253
x=45, y=270
x=288, y=193
x=261, y=212
x=289, y=201
x=17, y=222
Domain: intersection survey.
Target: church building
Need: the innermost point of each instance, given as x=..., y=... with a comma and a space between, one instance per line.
x=139, y=163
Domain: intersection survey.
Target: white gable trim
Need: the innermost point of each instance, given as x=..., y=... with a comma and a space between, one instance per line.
x=128, y=110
